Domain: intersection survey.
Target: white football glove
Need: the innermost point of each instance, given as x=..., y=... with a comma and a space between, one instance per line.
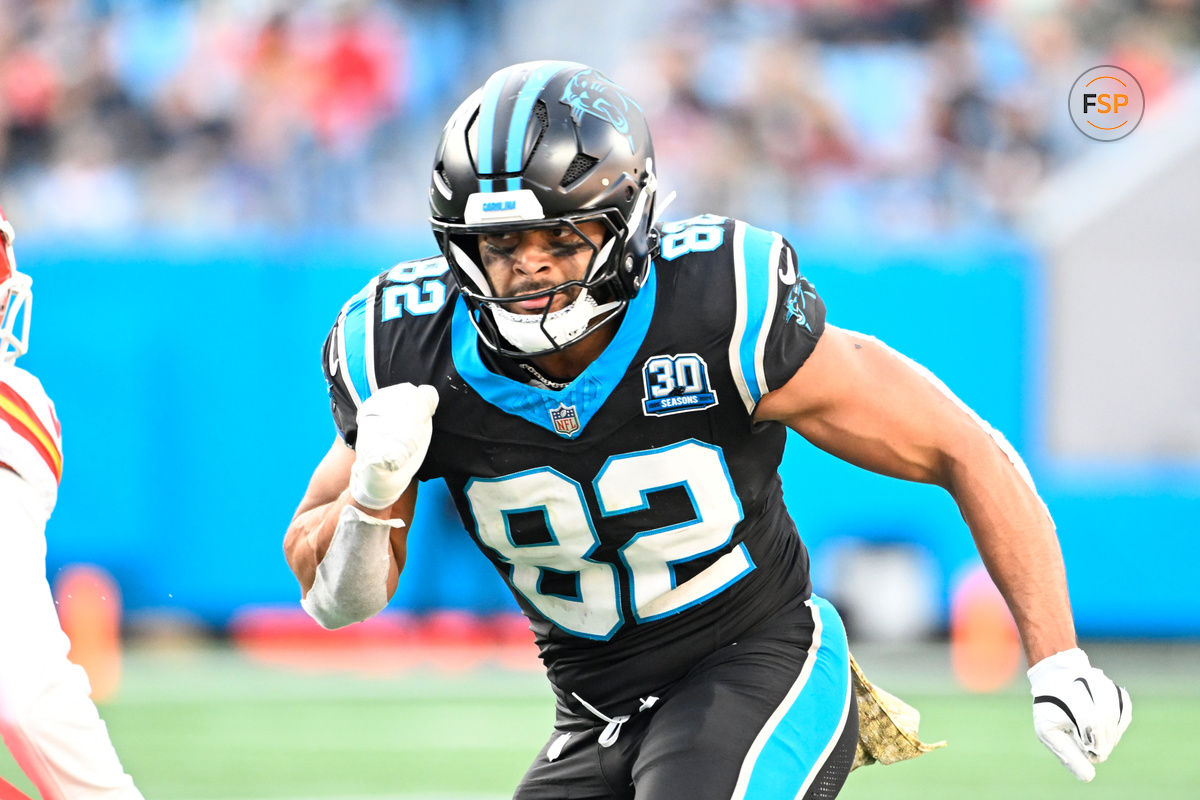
x=1077, y=711
x=394, y=428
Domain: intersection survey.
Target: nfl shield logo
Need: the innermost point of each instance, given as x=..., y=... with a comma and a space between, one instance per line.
x=566, y=421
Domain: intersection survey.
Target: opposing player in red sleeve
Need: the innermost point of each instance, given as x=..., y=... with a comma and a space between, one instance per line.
x=46, y=717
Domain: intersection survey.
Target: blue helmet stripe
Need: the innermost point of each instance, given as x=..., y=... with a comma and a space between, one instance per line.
x=487, y=124
x=519, y=124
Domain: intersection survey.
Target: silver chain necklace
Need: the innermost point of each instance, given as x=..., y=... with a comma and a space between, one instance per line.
x=542, y=379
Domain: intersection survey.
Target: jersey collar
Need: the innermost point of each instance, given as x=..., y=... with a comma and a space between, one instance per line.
x=583, y=397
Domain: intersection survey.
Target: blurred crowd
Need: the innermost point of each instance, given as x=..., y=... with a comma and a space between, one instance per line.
x=894, y=116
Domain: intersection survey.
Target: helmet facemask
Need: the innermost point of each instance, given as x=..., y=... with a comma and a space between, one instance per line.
x=597, y=296
x=16, y=299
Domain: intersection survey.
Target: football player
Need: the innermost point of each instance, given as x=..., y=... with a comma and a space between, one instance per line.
x=47, y=719
x=607, y=400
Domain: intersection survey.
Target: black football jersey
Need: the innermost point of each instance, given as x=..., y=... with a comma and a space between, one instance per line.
x=637, y=515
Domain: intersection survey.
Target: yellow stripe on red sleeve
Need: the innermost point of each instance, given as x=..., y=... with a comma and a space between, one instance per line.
x=25, y=423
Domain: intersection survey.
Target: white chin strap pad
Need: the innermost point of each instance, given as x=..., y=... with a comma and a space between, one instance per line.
x=525, y=331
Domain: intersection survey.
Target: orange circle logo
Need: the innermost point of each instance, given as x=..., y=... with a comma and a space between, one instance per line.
x=1106, y=103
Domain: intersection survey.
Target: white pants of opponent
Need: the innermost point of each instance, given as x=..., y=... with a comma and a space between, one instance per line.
x=47, y=719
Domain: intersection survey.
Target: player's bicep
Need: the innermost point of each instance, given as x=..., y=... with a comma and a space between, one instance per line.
x=863, y=402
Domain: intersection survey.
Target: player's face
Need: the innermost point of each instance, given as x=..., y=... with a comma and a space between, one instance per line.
x=524, y=262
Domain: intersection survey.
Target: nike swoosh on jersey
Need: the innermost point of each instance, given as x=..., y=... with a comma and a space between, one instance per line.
x=787, y=275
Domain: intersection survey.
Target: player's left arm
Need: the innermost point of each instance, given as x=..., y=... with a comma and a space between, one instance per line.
x=865, y=403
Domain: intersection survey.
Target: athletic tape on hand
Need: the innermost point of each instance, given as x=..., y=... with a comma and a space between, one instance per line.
x=395, y=426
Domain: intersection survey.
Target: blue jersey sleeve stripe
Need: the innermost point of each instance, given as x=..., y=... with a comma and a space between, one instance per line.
x=755, y=252
x=739, y=320
x=369, y=338
x=798, y=738
x=355, y=332
x=767, y=282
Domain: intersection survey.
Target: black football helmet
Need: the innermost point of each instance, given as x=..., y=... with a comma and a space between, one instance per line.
x=546, y=144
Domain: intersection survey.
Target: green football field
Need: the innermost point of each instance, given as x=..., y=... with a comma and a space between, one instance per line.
x=194, y=723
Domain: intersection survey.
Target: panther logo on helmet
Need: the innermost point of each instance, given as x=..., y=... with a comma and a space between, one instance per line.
x=589, y=92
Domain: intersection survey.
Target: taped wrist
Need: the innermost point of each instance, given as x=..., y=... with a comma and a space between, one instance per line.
x=351, y=582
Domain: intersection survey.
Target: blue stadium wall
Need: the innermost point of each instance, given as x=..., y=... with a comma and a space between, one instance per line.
x=187, y=378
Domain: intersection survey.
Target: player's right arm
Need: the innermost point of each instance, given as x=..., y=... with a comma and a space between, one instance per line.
x=316, y=518
x=347, y=540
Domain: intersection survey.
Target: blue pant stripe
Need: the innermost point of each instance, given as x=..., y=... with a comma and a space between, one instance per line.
x=803, y=730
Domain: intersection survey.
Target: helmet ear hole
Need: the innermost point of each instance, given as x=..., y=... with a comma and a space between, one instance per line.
x=628, y=193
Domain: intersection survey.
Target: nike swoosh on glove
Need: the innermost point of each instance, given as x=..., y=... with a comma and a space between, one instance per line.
x=395, y=425
x=1077, y=711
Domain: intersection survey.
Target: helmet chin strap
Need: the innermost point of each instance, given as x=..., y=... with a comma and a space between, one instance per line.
x=525, y=331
